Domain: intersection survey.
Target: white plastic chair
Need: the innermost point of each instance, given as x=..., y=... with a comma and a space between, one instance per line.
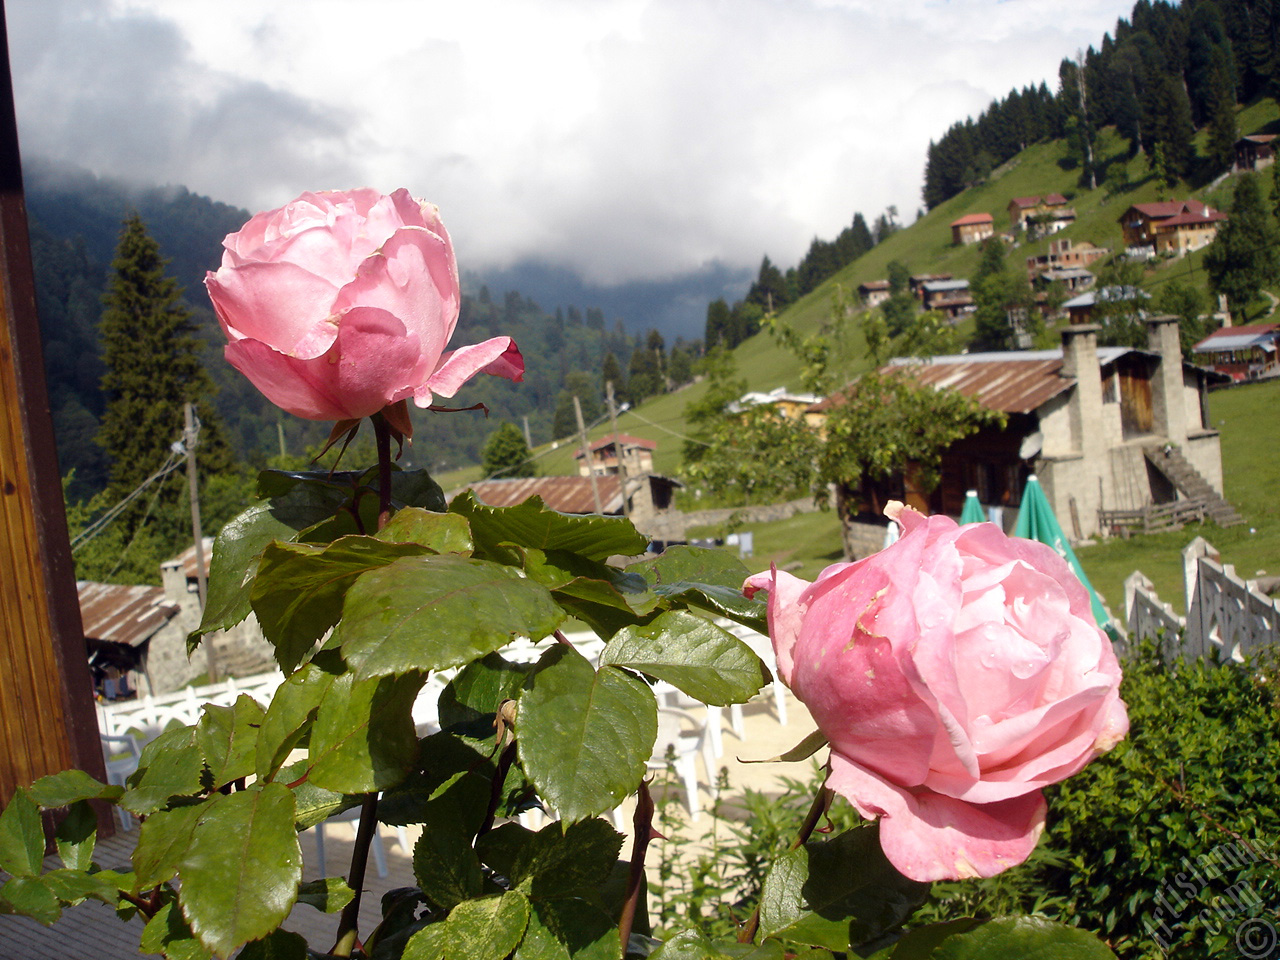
x=684, y=737
x=352, y=817
x=121, y=755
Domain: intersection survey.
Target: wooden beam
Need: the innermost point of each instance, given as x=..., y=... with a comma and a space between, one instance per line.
x=47, y=717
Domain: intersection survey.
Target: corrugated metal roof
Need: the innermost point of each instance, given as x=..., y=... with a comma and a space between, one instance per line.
x=944, y=286
x=563, y=494
x=123, y=614
x=188, y=559
x=1237, y=338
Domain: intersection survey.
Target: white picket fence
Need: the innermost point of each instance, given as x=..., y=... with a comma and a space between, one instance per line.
x=147, y=717
x=1224, y=612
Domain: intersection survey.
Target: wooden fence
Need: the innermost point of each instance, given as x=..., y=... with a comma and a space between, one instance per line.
x=1224, y=612
x=1153, y=517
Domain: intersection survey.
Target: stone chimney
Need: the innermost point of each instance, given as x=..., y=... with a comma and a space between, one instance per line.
x=1080, y=361
x=1168, y=402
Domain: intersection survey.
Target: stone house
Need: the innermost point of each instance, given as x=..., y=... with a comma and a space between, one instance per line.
x=148, y=627
x=973, y=228
x=1169, y=227
x=615, y=452
x=1091, y=422
x=1065, y=254
x=951, y=297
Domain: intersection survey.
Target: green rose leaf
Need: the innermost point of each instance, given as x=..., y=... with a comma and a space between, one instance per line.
x=602, y=596
x=1010, y=938
x=286, y=720
x=707, y=578
x=691, y=653
x=561, y=861
x=488, y=928
x=568, y=929
x=31, y=898
x=469, y=702
x=72, y=886
x=363, y=737
x=241, y=873
x=277, y=945
x=299, y=590
x=428, y=613
x=163, y=840
x=171, y=765
x=228, y=738
x=76, y=836
x=21, y=837
x=837, y=893
x=444, y=863
x=438, y=532
x=689, y=945
x=70, y=786
x=584, y=736
x=532, y=524
x=168, y=933
x=328, y=895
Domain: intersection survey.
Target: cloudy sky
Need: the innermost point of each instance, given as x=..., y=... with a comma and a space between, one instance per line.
x=623, y=139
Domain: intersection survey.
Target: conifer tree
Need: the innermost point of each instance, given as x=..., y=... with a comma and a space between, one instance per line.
x=152, y=370
x=1245, y=255
x=506, y=454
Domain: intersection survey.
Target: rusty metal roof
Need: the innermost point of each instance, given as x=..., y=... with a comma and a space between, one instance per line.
x=188, y=559
x=123, y=614
x=563, y=494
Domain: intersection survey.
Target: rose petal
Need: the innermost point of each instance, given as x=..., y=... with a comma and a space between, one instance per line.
x=785, y=611
x=498, y=356
x=279, y=304
x=931, y=837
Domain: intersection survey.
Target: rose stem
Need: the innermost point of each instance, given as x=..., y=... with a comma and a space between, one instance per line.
x=642, y=824
x=821, y=801
x=348, y=924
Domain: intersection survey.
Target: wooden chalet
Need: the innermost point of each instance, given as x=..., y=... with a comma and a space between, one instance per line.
x=873, y=292
x=1254, y=152
x=973, y=228
x=1243, y=353
x=1170, y=226
x=615, y=452
x=1040, y=216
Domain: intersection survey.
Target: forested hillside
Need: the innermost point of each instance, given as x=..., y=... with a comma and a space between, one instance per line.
x=75, y=226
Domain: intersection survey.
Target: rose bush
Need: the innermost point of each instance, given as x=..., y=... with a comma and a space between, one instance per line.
x=955, y=674
x=339, y=304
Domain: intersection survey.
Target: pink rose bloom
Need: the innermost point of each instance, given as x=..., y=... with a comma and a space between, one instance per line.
x=342, y=303
x=955, y=673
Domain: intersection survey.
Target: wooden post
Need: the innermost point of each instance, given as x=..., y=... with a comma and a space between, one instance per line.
x=197, y=533
x=622, y=463
x=586, y=454
x=47, y=718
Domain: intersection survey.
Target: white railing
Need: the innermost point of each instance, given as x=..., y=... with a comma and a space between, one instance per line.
x=1224, y=612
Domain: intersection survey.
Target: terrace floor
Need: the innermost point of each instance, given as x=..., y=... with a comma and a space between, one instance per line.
x=92, y=932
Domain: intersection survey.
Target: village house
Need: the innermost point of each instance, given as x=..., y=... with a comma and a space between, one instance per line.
x=1082, y=308
x=648, y=499
x=792, y=406
x=136, y=636
x=1073, y=279
x=951, y=297
x=1096, y=424
x=873, y=292
x=1171, y=227
x=1065, y=254
x=917, y=281
x=636, y=456
x=973, y=228
x=1040, y=216
x=1254, y=152
x=1242, y=353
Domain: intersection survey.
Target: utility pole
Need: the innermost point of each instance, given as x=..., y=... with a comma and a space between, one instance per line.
x=586, y=455
x=197, y=534
x=622, y=463
x=528, y=437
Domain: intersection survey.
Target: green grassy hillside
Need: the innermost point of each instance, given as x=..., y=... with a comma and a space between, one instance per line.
x=925, y=247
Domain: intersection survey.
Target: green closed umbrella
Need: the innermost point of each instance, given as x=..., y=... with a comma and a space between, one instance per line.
x=972, y=512
x=1037, y=522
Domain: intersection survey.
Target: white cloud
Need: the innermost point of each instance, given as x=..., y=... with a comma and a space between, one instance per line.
x=624, y=138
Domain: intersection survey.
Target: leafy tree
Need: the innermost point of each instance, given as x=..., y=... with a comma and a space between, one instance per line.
x=883, y=423
x=899, y=310
x=506, y=453
x=997, y=291
x=644, y=376
x=755, y=456
x=703, y=414
x=1119, y=304
x=1186, y=302
x=1245, y=255
x=151, y=371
